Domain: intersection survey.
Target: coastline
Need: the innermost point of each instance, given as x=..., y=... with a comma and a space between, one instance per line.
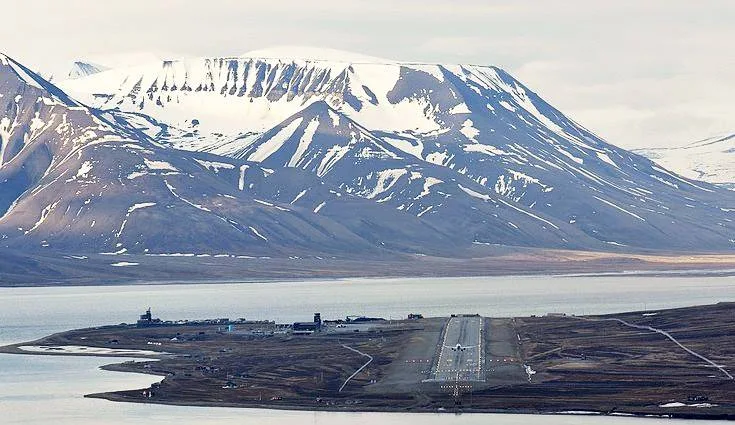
x=120, y=397
x=96, y=270
x=114, y=397
x=357, y=400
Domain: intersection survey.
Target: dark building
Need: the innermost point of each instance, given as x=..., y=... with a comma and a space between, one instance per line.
x=308, y=327
x=305, y=327
x=363, y=319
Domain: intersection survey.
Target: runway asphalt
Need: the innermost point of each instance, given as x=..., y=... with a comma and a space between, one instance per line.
x=464, y=362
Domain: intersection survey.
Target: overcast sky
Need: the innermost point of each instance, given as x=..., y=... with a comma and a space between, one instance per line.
x=637, y=72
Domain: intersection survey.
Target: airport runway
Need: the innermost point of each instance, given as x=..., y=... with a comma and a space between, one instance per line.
x=461, y=352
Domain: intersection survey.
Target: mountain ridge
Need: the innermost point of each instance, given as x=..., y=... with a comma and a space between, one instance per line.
x=287, y=157
x=80, y=183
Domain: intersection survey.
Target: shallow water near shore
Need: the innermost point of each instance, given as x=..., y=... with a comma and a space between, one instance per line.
x=50, y=389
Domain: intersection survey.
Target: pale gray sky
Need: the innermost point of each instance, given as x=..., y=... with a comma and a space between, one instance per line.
x=637, y=72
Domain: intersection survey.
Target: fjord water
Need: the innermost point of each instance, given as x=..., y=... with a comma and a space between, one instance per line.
x=45, y=389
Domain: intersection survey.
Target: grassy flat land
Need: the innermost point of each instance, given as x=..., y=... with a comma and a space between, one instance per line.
x=54, y=269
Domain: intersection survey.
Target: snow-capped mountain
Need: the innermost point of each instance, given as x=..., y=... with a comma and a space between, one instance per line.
x=711, y=160
x=363, y=124
x=72, y=179
x=83, y=69
x=327, y=152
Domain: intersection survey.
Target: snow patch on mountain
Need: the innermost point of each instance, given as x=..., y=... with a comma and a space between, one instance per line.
x=215, y=166
x=274, y=143
x=304, y=142
x=384, y=181
x=159, y=165
x=83, y=172
x=140, y=206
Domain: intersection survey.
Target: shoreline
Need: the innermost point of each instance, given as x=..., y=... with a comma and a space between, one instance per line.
x=117, y=397
x=361, y=398
x=709, y=271
x=59, y=269
x=113, y=397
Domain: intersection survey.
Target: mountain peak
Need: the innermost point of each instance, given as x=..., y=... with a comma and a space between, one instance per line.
x=316, y=54
x=82, y=69
x=317, y=108
x=21, y=72
x=14, y=69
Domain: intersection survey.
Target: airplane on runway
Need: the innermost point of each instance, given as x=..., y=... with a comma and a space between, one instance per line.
x=460, y=347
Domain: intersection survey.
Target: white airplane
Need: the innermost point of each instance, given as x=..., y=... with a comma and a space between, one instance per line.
x=459, y=347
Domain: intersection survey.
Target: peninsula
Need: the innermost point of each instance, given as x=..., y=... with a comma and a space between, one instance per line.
x=670, y=363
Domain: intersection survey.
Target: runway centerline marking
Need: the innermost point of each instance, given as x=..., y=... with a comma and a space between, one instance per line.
x=460, y=354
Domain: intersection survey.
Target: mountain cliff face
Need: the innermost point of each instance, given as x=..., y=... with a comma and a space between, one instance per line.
x=276, y=154
x=710, y=160
x=70, y=179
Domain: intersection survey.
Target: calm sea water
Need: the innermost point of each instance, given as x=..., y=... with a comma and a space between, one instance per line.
x=45, y=389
